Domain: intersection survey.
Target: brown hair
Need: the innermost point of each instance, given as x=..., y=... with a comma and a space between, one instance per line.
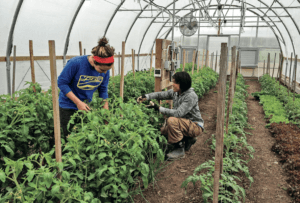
x=103, y=50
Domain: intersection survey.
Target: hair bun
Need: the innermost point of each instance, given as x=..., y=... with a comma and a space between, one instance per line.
x=102, y=42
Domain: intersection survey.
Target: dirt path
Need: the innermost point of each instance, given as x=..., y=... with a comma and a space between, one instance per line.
x=168, y=188
x=269, y=177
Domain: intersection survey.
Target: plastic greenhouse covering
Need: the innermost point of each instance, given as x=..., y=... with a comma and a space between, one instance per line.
x=267, y=24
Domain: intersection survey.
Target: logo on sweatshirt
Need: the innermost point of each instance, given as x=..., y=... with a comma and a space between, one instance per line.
x=89, y=82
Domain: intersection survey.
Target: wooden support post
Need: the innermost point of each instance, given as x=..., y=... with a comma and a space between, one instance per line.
x=55, y=101
x=212, y=61
x=240, y=67
x=122, y=71
x=183, y=63
x=32, y=63
x=80, y=48
x=289, y=86
x=119, y=63
x=274, y=66
x=151, y=61
x=133, y=61
x=219, y=27
x=268, y=64
x=14, y=71
x=231, y=87
x=295, y=76
x=84, y=51
x=198, y=63
x=279, y=67
x=237, y=66
x=113, y=69
x=187, y=56
x=207, y=58
x=220, y=120
x=264, y=67
x=202, y=58
x=216, y=62
x=193, y=62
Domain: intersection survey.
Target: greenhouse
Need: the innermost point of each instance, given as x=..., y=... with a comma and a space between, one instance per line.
x=150, y=101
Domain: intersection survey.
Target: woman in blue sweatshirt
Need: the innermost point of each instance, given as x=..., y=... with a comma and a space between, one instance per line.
x=81, y=77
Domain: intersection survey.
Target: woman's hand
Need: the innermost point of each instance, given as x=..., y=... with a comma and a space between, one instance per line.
x=141, y=99
x=83, y=106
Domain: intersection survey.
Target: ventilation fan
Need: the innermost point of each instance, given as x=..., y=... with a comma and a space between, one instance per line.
x=188, y=25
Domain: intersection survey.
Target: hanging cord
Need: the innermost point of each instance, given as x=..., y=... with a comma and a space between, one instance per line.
x=23, y=78
x=43, y=71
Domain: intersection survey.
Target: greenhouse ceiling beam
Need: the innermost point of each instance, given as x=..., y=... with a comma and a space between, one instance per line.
x=291, y=7
x=138, y=16
x=234, y=26
x=132, y=24
x=112, y=17
x=234, y=21
x=233, y=16
x=292, y=20
x=69, y=32
x=150, y=26
x=10, y=44
x=249, y=11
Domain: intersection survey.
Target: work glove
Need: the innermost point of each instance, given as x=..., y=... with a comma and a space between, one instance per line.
x=153, y=106
x=141, y=98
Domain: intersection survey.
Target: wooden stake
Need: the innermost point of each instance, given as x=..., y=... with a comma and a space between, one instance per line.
x=219, y=27
x=268, y=64
x=289, y=86
x=122, y=71
x=32, y=63
x=274, y=66
x=193, y=63
x=119, y=63
x=151, y=61
x=80, y=48
x=14, y=71
x=133, y=61
x=216, y=62
x=202, y=58
x=113, y=69
x=212, y=61
x=198, y=63
x=220, y=120
x=55, y=101
x=264, y=67
x=183, y=64
x=207, y=58
x=84, y=51
x=281, y=67
x=231, y=87
x=187, y=56
x=295, y=74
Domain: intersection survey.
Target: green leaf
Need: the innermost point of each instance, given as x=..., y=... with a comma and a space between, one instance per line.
x=101, y=155
x=92, y=176
x=66, y=175
x=72, y=162
x=55, y=189
x=112, y=170
x=9, y=150
x=48, y=179
x=2, y=176
x=92, y=156
x=30, y=175
x=25, y=130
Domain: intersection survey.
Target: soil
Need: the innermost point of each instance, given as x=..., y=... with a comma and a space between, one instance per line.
x=287, y=146
x=269, y=177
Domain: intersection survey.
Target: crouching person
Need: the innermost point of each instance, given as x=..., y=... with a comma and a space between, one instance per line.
x=184, y=122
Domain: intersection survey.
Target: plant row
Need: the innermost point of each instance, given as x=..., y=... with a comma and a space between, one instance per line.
x=100, y=162
x=234, y=161
x=271, y=87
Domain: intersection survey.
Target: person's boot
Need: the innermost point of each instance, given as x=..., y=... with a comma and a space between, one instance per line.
x=177, y=153
x=188, y=142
